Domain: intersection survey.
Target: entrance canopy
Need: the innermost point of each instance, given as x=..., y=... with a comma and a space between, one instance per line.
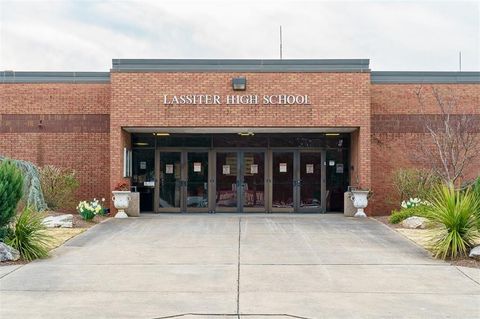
x=214, y=130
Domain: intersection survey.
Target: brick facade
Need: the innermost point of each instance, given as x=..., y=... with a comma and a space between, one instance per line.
x=398, y=131
x=337, y=100
x=82, y=125
x=66, y=125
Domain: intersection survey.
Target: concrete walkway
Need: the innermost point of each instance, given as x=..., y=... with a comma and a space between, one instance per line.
x=258, y=266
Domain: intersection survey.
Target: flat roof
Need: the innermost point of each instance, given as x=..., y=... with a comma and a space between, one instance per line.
x=386, y=77
x=240, y=65
x=54, y=77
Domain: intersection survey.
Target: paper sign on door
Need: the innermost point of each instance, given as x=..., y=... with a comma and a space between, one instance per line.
x=169, y=169
x=283, y=167
x=226, y=169
x=197, y=167
x=143, y=165
x=339, y=169
x=254, y=169
x=309, y=169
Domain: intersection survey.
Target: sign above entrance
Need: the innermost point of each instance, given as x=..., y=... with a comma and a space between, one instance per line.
x=249, y=99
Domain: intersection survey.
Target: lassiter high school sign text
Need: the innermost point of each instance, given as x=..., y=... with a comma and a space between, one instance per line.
x=207, y=99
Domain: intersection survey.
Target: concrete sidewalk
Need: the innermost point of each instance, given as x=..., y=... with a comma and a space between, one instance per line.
x=239, y=266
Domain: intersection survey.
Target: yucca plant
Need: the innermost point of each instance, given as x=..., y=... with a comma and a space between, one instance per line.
x=28, y=235
x=455, y=212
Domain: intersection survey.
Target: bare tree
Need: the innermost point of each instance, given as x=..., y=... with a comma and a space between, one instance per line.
x=453, y=133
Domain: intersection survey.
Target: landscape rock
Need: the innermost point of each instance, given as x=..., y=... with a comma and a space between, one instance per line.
x=415, y=222
x=475, y=252
x=64, y=221
x=8, y=253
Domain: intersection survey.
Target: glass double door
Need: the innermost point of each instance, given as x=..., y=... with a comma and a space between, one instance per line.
x=182, y=182
x=240, y=181
x=298, y=181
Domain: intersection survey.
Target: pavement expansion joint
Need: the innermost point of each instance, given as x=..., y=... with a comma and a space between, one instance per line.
x=238, y=265
x=466, y=275
x=223, y=315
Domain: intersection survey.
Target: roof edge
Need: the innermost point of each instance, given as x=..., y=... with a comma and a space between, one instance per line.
x=399, y=77
x=240, y=65
x=53, y=77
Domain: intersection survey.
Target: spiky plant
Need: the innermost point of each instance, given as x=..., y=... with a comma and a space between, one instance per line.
x=11, y=184
x=29, y=236
x=455, y=212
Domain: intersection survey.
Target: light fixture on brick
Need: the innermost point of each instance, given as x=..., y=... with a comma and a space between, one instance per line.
x=239, y=83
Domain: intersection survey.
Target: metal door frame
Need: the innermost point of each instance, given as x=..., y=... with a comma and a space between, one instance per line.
x=236, y=209
x=183, y=180
x=296, y=180
x=212, y=182
x=323, y=204
x=240, y=181
x=156, y=201
x=185, y=176
x=270, y=179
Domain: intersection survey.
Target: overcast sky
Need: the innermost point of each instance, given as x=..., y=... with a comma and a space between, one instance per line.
x=86, y=35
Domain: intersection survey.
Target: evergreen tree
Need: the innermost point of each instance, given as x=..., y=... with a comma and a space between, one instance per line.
x=11, y=191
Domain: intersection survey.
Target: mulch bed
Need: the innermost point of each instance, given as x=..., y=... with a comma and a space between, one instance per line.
x=78, y=222
x=464, y=262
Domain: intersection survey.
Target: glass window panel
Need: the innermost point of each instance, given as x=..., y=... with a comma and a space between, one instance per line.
x=282, y=181
x=254, y=179
x=226, y=195
x=143, y=176
x=337, y=178
x=197, y=185
x=170, y=179
x=310, y=177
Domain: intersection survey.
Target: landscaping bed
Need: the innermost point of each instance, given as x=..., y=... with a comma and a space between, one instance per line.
x=421, y=237
x=60, y=235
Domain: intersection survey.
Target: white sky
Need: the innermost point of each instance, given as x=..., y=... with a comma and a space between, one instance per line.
x=86, y=35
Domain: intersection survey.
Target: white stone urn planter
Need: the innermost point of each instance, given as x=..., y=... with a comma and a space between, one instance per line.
x=360, y=201
x=121, y=200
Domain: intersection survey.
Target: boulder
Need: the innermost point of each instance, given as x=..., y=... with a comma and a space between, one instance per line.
x=415, y=222
x=8, y=253
x=475, y=253
x=65, y=221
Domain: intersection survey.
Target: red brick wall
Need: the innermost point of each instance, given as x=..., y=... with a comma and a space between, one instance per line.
x=337, y=100
x=74, y=131
x=71, y=115
x=396, y=132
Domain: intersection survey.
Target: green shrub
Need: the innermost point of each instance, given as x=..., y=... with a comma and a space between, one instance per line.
x=476, y=188
x=28, y=235
x=457, y=213
x=414, y=183
x=58, y=186
x=32, y=191
x=11, y=185
x=398, y=216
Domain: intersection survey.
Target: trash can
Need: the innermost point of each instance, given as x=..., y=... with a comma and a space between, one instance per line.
x=133, y=209
x=348, y=209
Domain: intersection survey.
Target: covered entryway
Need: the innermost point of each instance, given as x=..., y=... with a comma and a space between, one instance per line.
x=242, y=172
